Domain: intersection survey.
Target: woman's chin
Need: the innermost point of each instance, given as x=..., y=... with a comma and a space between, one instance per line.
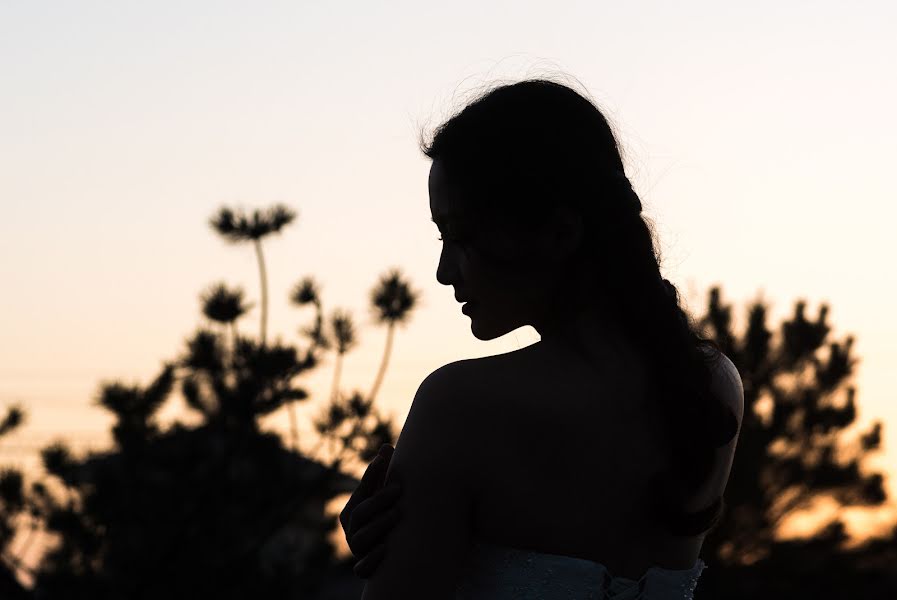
x=484, y=332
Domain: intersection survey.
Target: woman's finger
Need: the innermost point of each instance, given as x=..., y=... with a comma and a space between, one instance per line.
x=372, y=480
x=365, y=567
x=386, y=451
x=373, y=476
x=370, y=508
x=362, y=541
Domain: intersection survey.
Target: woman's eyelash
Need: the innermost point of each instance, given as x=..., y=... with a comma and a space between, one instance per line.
x=447, y=237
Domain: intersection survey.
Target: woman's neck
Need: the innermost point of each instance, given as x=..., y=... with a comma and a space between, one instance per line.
x=589, y=335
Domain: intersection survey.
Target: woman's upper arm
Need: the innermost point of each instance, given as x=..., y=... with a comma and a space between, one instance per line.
x=727, y=386
x=429, y=544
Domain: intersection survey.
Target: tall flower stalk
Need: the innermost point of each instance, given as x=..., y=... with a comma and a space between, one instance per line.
x=392, y=300
x=237, y=228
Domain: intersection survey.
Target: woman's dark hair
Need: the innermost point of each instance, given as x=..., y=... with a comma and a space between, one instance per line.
x=517, y=152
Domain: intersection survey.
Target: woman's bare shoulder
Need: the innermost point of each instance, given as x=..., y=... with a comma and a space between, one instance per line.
x=453, y=380
x=472, y=395
x=726, y=383
x=443, y=388
x=439, y=417
x=451, y=394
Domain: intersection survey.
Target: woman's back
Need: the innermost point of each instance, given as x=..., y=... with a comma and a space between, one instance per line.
x=565, y=455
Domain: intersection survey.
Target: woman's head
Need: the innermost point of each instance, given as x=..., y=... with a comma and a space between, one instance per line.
x=507, y=275
x=541, y=224
x=528, y=189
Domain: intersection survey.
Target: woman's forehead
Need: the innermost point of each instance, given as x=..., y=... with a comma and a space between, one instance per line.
x=438, y=182
x=445, y=202
x=451, y=203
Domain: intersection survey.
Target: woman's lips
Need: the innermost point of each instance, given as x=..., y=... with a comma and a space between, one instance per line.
x=466, y=307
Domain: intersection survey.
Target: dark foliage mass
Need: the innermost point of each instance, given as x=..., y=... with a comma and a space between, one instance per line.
x=13, y=507
x=796, y=446
x=220, y=508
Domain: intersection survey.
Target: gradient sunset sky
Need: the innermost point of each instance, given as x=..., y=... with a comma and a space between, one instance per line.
x=761, y=136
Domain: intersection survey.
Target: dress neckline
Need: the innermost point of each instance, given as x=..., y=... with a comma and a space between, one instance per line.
x=615, y=580
x=497, y=571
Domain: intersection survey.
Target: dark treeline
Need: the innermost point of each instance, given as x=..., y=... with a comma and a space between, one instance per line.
x=224, y=509
x=794, y=449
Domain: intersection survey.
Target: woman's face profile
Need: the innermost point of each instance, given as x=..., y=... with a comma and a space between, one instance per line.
x=497, y=300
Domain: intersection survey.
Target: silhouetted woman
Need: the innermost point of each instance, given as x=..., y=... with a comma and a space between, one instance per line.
x=590, y=464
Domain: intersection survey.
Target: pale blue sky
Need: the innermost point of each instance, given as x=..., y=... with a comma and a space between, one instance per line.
x=762, y=136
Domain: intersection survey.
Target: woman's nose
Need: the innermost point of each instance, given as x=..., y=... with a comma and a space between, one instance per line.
x=445, y=270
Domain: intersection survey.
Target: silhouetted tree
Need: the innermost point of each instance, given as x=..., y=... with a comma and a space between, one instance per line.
x=236, y=228
x=13, y=507
x=221, y=509
x=224, y=306
x=793, y=450
x=344, y=332
x=393, y=300
x=306, y=291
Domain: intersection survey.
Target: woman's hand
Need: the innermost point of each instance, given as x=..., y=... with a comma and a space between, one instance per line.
x=370, y=514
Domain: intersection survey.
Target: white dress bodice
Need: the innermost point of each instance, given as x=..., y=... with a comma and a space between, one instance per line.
x=503, y=573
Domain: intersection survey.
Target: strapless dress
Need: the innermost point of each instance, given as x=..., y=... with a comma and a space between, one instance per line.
x=503, y=573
